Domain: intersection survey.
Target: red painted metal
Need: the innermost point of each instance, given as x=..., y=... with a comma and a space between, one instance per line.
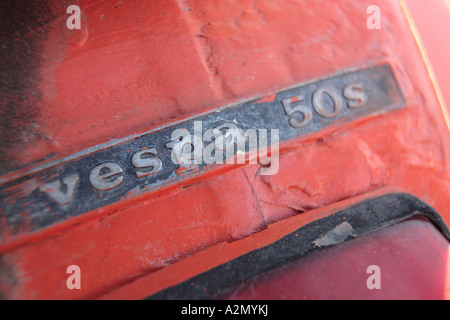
x=405, y=263
x=137, y=65
x=431, y=22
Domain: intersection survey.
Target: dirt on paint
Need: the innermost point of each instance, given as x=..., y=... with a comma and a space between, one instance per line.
x=23, y=31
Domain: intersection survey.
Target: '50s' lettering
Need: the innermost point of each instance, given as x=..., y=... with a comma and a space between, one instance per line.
x=301, y=114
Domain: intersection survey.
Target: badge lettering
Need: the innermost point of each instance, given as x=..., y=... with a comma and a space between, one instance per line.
x=54, y=189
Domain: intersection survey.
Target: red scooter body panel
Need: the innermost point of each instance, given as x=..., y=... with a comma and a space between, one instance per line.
x=138, y=66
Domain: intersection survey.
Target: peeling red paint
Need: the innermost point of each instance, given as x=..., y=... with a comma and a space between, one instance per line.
x=269, y=98
x=148, y=63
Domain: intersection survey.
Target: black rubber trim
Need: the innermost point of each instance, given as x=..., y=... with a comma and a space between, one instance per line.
x=362, y=218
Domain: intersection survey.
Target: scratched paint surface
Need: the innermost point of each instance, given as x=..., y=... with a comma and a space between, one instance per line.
x=137, y=65
x=29, y=199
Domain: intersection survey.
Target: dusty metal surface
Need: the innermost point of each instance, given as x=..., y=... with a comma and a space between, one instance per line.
x=136, y=68
x=110, y=175
x=358, y=220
